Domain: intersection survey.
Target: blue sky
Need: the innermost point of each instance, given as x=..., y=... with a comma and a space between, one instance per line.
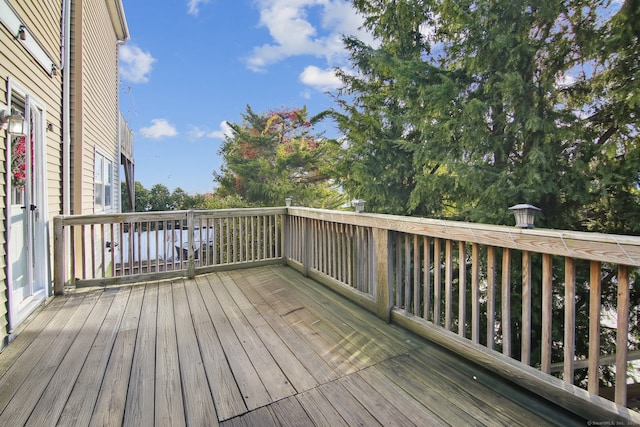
x=192, y=65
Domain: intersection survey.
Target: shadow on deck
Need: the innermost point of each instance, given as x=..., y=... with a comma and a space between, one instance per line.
x=262, y=346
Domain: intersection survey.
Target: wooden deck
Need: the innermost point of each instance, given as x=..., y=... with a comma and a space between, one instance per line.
x=263, y=346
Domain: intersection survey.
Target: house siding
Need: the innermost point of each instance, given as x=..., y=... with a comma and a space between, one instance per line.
x=94, y=99
x=42, y=18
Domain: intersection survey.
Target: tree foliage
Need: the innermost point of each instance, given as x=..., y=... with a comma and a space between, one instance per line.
x=467, y=107
x=275, y=155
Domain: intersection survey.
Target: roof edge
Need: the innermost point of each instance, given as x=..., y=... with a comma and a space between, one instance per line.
x=118, y=19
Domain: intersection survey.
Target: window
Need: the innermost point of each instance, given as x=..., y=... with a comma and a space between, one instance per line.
x=103, y=183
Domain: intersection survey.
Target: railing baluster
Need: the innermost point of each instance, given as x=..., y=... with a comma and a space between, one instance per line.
x=475, y=293
x=448, y=287
x=462, y=287
x=491, y=296
x=547, y=296
x=437, y=281
x=622, y=335
x=427, y=278
x=416, y=275
x=525, y=355
x=569, y=318
x=407, y=274
x=506, y=302
x=594, y=327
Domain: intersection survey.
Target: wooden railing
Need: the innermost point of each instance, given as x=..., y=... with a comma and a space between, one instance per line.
x=125, y=248
x=491, y=293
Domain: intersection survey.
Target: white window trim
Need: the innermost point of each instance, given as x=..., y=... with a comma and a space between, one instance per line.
x=108, y=160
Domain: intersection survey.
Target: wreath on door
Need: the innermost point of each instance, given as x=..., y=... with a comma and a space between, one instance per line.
x=19, y=161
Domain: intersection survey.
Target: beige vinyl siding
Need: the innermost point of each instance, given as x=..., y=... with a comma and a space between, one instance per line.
x=96, y=53
x=42, y=18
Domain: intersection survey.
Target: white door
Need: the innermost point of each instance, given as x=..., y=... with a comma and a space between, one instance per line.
x=27, y=242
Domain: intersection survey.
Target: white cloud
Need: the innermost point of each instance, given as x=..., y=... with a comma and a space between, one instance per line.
x=293, y=33
x=225, y=131
x=193, y=6
x=320, y=79
x=135, y=64
x=160, y=128
x=565, y=80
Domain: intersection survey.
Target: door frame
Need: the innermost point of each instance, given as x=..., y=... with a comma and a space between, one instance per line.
x=18, y=311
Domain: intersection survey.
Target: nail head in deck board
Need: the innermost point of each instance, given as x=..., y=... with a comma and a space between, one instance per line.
x=198, y=402
x=79, y=406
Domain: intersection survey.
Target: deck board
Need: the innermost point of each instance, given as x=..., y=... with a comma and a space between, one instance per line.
x=262, y=346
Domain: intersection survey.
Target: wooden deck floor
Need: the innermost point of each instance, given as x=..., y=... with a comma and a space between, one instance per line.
x=263, y=346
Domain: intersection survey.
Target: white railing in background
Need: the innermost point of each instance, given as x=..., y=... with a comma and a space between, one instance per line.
x=124, y=248
x=478, y=289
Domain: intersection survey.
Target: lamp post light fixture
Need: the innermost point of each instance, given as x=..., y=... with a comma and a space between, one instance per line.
x=525, y=215
x=359, y=205
x=13, y=123
x=287, y=201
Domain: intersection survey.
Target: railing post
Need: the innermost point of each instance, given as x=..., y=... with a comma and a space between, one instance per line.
x=59, y=256
x=286, y=236
x=382, y=273
x=191, y=264
x=307, y=248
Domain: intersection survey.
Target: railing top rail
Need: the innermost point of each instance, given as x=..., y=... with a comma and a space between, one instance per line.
x=164, y=215
x=618, y=249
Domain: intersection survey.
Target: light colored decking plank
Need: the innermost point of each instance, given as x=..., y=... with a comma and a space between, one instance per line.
x=169, y=408
x=297, y=374
x=416, y=412
x=376, y=404
x=27, y=332
x=348, y=406
x=20, y=366
x=226, y=394
x=253, y=391
x=198, y=401
x=290, y=413
x=391, y=339
x=109, y=408
x=313, y=363
x=487, y=389
x=139, y=408
x=260, y=417
x=320, y=410
x=274, y=380
x=54, y=397
x=286, y=305
x=26, y=397
x=79, y=407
